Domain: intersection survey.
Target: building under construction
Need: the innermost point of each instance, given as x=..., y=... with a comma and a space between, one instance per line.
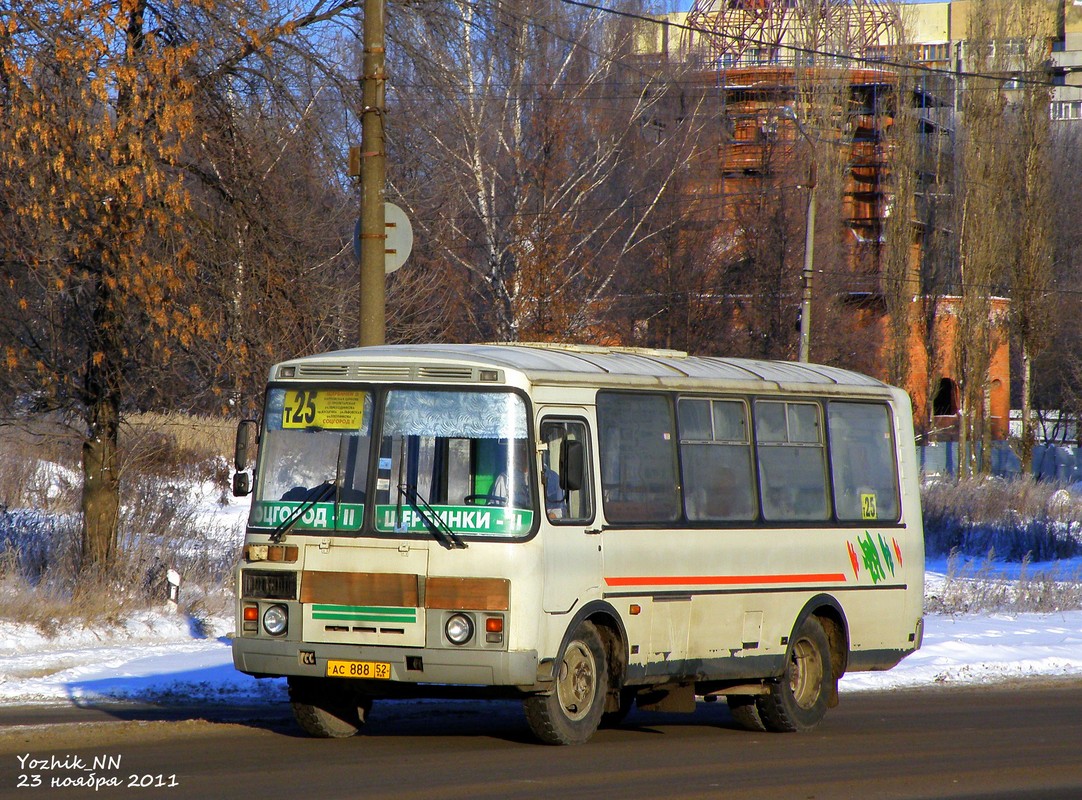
x=815, y=98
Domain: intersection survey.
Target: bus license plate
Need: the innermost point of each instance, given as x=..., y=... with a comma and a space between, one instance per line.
x=376, y=670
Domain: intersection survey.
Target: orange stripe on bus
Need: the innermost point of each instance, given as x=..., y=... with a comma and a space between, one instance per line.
x=725, y=580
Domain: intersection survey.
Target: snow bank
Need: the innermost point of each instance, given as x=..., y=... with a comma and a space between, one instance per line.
x=160, y=657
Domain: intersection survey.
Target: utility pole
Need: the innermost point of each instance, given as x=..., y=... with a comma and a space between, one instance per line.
x=373, y=300
x=809, y=261
x=788, y=112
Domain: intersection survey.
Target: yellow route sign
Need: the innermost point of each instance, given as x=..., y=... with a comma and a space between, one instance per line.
x=324, y=409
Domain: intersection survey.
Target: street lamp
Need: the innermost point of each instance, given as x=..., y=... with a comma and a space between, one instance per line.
x=787, y=112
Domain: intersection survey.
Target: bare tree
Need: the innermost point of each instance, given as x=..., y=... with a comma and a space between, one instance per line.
x=273, y=217
x=984, y=230
x=526, y=118
x=763, y=275
x=899, y=270
x=1031, y=270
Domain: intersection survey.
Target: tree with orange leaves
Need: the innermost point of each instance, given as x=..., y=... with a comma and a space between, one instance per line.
x=96, y=107
x=104, y=295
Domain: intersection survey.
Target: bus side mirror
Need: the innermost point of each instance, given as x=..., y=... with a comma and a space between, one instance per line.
x=246, y=433
x=572, y=466
x=242, y=485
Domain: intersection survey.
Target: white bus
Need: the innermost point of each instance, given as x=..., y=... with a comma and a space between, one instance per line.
x=582, y=528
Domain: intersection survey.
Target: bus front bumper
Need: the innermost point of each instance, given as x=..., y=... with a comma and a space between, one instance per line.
x=408, y=665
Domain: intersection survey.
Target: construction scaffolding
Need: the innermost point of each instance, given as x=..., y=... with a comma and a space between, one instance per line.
x=734, y=33
x=824, y=70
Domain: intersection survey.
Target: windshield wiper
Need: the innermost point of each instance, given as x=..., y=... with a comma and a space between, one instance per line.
x=439, y=529
x=316, y=494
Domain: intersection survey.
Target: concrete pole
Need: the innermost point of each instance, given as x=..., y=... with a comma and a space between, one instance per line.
x=809, y=261
x=373, y=311
x=788, y=112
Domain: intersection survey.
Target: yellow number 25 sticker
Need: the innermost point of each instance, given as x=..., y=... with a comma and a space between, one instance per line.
x=323, y=409
x=867, y=507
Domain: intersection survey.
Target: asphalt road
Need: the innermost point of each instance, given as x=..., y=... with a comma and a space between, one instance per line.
x=991, y=742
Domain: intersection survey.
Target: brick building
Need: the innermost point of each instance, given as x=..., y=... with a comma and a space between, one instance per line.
x=751, y=61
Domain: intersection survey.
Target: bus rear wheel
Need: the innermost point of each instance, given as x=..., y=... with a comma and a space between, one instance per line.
x=572, y=712
x=615, y=718
x=325, y=710
x=798, y=700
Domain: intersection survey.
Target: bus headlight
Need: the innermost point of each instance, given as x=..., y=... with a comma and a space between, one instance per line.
x=275, y=620
x=458, y=629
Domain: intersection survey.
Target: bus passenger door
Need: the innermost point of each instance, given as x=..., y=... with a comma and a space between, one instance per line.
x=572, y=557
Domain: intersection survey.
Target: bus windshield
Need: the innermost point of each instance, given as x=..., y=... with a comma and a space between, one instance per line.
x=464, y=455
x=454, y=460
x=313, y=440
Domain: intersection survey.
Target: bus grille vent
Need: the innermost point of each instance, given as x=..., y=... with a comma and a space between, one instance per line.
x=445, y=373
x=323, y=370
x=383, y=372
x=269, y=585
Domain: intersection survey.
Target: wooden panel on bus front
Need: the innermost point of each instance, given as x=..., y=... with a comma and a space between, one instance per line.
x=392, y=589
x=360, y=589
x=477, y=594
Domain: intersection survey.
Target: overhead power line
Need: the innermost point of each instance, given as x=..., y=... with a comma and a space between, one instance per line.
x=809, y=51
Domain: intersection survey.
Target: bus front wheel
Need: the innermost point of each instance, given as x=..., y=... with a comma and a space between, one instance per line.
x=745, y=712
x=798, y=700
x=327, y=711
x=572, y=712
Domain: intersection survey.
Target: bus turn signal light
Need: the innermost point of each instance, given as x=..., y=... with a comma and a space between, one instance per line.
x=494, y=630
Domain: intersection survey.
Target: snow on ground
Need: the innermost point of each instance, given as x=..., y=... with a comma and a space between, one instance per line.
x=157, y=657
x=984, y=648
x=163, y=657
x=160, y=657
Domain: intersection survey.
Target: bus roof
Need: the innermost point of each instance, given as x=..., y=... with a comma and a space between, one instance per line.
x=569, y=364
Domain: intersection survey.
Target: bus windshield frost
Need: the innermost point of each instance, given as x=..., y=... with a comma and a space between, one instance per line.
x=448, y=462
x=584, y=529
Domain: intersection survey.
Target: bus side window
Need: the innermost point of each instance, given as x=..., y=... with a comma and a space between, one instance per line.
x=566, y=500
x=639, y=476
x=715, y=451
x=792, y=461
x=862, y=456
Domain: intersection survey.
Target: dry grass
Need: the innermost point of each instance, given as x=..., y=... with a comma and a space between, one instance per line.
x=980, y=587
x=979, y=521
x=40, y=457
x=42, y=585
x=1017, y=519
x=161, y=526
x=176, y=445
x=39, y=465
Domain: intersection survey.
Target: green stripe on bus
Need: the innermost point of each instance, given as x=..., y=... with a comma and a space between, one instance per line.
x=364, y=613
x=362, y=618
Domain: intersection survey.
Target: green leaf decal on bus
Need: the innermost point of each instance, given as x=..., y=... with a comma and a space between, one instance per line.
x=872, y=560
x=887, y=557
